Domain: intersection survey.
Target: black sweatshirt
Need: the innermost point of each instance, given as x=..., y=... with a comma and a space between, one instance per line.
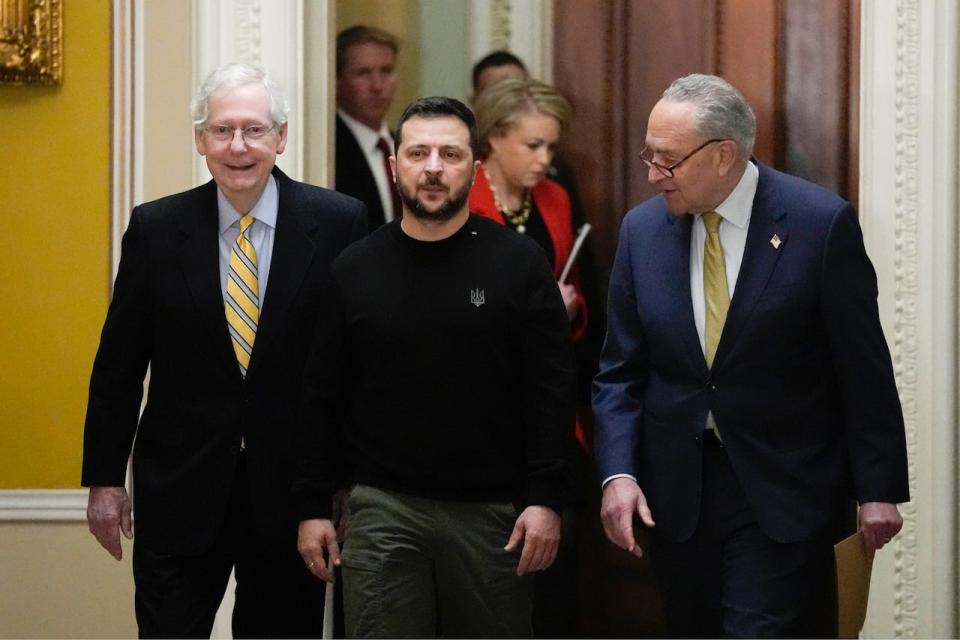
x=440, y=369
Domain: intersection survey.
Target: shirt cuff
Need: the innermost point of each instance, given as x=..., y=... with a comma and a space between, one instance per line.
x=603, y=485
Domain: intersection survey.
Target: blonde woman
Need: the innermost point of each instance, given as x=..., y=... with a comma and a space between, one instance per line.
x=520, y=122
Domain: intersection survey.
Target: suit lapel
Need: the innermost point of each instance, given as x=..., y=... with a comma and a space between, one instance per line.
x=760, y=256
x=293, y=252
x=677, y=279
x=354, y=176
x=200, y=263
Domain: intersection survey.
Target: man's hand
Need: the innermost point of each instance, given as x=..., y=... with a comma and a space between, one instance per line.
x=879, y=522
x=108, y=513
x=539, y=529
x=317, y=544
x=622, y=498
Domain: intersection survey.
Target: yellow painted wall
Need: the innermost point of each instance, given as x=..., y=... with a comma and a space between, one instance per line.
x=54, y=253
x=401, y=18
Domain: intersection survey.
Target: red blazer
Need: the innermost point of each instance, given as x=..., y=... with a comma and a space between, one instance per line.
x=553, y=203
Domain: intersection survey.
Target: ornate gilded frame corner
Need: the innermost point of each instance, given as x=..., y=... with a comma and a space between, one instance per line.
x=31, y=41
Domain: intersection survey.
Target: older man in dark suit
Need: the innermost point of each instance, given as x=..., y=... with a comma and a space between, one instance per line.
x=745, y=392
x=218, y=292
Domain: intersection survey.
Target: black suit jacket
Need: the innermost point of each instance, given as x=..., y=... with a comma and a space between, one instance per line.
x=802, y=385
x=167, y=312
x=353, y=176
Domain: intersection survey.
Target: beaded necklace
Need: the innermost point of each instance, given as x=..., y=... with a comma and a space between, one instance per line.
x=519, y=217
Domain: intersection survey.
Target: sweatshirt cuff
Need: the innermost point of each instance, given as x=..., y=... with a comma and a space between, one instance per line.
x=311, y=505
x=547, y=495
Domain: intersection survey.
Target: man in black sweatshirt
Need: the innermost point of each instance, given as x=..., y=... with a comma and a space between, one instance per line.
x=444, y=370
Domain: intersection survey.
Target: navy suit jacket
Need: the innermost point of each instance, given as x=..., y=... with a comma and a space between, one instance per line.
x=352, y=175
x=168, y=311
x=802, y=385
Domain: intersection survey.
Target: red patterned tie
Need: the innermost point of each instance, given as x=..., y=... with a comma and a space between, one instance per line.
x=384, y=148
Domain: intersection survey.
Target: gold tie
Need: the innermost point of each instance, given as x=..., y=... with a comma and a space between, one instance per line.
x=715, y=292
x=243, y=295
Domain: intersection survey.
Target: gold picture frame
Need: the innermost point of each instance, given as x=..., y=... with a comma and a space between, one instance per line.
x=31, y=41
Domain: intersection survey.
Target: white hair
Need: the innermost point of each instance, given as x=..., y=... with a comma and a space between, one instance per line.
x=722, y=111
x=231, y=76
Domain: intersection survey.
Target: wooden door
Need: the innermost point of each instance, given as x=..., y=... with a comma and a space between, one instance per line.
x=796, y=61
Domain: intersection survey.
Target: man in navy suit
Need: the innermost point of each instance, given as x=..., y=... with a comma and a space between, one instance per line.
x=366, y=81
x=745, y=392
x=218, y=292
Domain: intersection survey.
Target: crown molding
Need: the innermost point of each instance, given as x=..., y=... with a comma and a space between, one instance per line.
x=43, y=505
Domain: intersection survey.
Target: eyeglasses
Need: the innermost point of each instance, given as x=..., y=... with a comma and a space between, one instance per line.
x=647, y=156
x=249, y=133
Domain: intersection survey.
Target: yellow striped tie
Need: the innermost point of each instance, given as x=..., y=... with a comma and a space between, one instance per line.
x=243, y=295
x=715, y=292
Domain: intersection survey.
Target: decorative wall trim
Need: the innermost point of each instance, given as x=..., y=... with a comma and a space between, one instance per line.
x=478, y=29
x=44, y=505
x=318, y=92
x=909, y=193
x=524, y=28
x=545, y=42
x=499, y=24
x=268, y=35
x=126, y=159
x=531, y=36
x=905, y=347
x=247, y=31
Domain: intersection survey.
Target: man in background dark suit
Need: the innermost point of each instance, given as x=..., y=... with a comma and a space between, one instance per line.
x=366, y=81
x=217, y=291
x=745, y=391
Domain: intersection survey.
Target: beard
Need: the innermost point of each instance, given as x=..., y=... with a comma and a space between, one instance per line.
x=449, y=209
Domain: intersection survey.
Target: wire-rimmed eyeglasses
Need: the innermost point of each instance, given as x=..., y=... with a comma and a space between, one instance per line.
x=647, y=156
x=250, y=133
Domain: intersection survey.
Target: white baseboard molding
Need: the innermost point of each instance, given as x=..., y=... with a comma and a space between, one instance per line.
x=63, y=505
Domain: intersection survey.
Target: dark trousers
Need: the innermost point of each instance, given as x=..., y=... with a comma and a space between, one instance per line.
x=731, y=580
x=555, y=590
x=178, y=596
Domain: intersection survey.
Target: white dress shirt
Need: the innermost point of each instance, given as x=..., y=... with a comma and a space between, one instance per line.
x=367, y=138
x=735, y=211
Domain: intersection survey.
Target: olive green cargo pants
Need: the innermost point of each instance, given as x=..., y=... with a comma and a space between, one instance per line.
x=417, y=567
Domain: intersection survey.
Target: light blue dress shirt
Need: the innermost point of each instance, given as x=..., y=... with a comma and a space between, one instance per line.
x=261, y=234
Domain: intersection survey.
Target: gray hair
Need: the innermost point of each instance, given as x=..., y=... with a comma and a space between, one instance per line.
x=231, y=76
x=722, y=111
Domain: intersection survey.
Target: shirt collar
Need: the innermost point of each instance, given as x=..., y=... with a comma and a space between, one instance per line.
x=738, y=205
x=366, y=137
x=265, y=210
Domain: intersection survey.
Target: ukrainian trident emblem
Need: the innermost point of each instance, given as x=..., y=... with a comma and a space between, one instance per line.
x=476, y=297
